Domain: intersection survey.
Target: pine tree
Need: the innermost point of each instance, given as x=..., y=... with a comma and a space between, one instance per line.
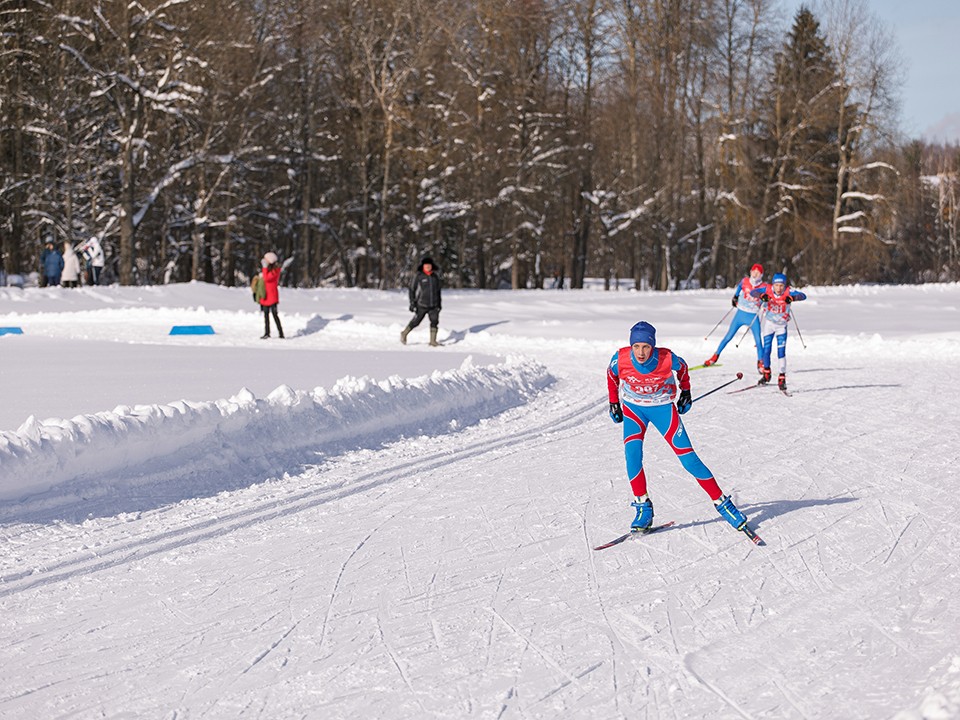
x=800, y=157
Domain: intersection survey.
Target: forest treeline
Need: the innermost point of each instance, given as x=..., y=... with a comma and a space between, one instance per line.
x=669, y=142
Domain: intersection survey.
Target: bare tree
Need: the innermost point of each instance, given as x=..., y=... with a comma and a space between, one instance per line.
x=867, y=63
x=744, y=40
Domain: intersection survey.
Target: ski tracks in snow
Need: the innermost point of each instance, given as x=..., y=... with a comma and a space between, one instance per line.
x=106, y=543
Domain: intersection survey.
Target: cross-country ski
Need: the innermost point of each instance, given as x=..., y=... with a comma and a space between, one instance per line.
x=634, y=533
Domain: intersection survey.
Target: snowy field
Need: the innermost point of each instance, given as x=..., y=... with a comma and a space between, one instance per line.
x=337, y=526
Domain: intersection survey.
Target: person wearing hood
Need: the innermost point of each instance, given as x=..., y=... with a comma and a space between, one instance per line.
x=71, y=267
x=92, y=250
x=52, y=262
x=424, y=300
x=642, y=383
x=271, y=293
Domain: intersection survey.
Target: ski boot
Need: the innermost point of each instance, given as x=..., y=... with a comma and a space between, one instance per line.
x=711, y=360
x=782, y=381
x=728, y=511
x=760, y=366
x=765, y=376
x=644, y=519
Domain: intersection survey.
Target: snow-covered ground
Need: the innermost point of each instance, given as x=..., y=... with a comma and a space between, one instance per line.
x=337, y=526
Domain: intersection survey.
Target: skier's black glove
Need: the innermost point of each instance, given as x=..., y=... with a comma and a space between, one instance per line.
x=413, y=308
x=733, y=301
x=765, y=297
x=788, y=299
x=684, y=402
x=616, y=413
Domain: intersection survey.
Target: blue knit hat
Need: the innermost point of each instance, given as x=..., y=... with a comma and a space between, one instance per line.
x=643, y=332
x=780, y=278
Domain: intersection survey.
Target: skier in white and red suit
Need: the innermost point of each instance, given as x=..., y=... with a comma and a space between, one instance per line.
x=777, y=297
x=642, y=382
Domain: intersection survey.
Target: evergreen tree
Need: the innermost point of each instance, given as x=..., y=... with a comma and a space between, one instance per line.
x=800, y=157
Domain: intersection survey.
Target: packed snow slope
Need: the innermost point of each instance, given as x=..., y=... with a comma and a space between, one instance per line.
x=336, y=526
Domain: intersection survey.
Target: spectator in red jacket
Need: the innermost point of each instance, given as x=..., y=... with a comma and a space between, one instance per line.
x=271, y=281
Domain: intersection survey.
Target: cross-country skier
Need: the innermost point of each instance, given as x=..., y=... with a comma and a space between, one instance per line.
x=747, y=308
x=642, y=383
x=777, y=297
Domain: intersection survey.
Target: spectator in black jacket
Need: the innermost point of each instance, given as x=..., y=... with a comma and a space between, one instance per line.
x=424, y=300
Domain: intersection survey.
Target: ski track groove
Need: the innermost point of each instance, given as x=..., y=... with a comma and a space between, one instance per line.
x=406, y=569
x=617, y=642
x=336, y=586
x=295, y=501
x=613, y=638
x=273, y=646
x=790, y=700
x=543, y=654
x=698, y=679
x=391, y=653
x=757, y=605
x=896, y=542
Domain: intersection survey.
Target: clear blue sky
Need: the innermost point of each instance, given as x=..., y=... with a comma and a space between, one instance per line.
x=928, y=35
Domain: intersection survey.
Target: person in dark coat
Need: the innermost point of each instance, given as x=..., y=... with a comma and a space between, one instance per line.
x=424, y=300
x=52, y=262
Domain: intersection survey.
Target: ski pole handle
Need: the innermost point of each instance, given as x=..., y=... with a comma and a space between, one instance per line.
x=730, y=310
x=719, y=387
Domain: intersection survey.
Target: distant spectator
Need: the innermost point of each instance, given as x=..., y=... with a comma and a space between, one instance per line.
x=424, y=300
x=271, y=282
x=52, y=262
x=92, y=250
x=71, y=267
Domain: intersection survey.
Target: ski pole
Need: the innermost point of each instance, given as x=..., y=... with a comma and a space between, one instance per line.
x=799, y=334
x=719, y=387
x=747, y=330
x=718, y=323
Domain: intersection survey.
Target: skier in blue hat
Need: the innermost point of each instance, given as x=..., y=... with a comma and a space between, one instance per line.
x=642, y=383
x=777, y=297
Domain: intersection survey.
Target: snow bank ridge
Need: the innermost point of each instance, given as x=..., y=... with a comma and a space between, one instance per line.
x=243, y=431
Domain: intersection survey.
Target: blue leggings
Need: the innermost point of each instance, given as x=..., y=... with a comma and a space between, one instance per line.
x=666, y=420
x=781, y=336
x=739, y=320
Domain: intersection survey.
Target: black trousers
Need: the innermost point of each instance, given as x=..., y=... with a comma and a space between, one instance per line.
x=267, y=311
x=421, y=312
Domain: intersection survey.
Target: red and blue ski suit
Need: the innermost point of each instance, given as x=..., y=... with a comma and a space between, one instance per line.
x=776, y=316
x=646, y=395
x=747, y=308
